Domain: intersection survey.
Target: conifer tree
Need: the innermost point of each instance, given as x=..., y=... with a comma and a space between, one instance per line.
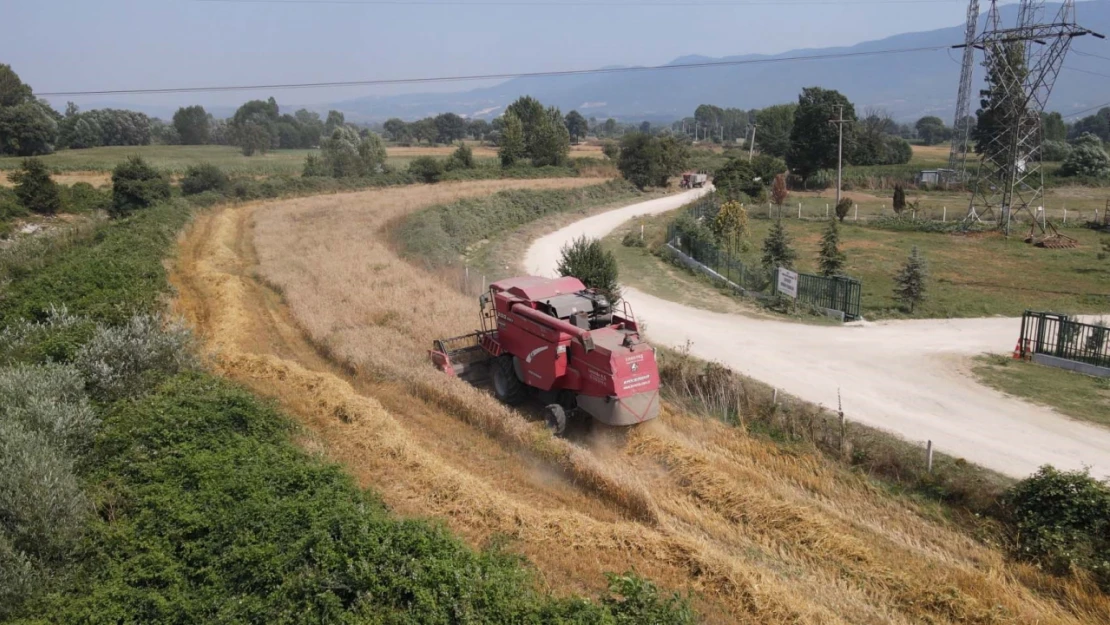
x=909, y=282
x=831, y=259
x=777, y=251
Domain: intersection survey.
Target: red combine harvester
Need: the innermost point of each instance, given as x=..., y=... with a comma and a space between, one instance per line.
x=563, y=342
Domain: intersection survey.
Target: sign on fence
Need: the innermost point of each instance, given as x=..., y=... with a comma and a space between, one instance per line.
x=788, y=282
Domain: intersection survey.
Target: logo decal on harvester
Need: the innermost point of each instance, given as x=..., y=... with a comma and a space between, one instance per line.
x=535, y=352
x=635, y=367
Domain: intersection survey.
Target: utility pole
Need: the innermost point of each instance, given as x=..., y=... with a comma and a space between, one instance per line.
x=751, y=147
x=839, y=121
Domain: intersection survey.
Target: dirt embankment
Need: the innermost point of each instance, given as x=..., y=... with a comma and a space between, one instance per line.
x=305, y=301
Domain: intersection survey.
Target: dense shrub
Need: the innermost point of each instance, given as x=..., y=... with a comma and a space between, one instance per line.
x=426, y=169
x=46, y=423
x=34, y=187
x=136, y=185
x=649, y=161
x=461, y=158
x=1062, y=521
x=83, y=197
x=1056, y=151
x=591, y=263
x=57, y=338
x=128, y=360
x=204, y=177
x=107, y=277
x=1087, y=159
x=737, y=180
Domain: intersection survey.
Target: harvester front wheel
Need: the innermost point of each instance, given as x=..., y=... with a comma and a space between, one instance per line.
x=556, y=419
x=508, y=388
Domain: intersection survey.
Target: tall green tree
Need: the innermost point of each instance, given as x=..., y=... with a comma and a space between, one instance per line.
x=737, y=180
x=577, y=126
x=335, y=120
x=511, y=148
x=254, y=126
x=931, y=130
x=478, y=129
x=998, y=114
x=13, y=91
x=531, y=114
x=1097, y=124
x=27, y=129
x=396, y=128
x=450, y=128
x=830, y=259
x=777, y=251
x=909, y=282
x=1055, y=128
x=550, y=140
x=648, y=161
x=775, y=125
x=813, y=140
x=191, y=123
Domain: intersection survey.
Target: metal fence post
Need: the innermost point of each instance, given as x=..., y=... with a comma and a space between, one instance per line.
x=929, y=456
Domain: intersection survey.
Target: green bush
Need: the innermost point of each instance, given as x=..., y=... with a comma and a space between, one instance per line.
x=34, y=187
x=633, y=239
x=125, y=361
x=1062, y=521
x=591, y=263
x=204, y=177
x=426, y=169
x=55, y=339
x=217, y=516
x=136, y=185
x=107, y=277
x=82, y=197
x=461, y=158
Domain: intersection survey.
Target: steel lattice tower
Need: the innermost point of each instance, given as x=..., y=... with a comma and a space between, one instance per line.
x=1023, y=63
x=961, y=129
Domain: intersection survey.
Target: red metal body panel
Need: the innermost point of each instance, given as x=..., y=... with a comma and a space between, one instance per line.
x=607, y=363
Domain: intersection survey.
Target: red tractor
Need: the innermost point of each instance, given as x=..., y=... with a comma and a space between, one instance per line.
x=567, y=344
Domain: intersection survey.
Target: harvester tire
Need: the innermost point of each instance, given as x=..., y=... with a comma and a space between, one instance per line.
x=508, y=388
x=556, y=419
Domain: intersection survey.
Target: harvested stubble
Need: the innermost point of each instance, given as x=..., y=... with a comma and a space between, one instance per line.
x=761, y=534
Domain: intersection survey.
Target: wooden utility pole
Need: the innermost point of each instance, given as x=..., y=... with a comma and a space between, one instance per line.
x=840, y=121
x=751, y=147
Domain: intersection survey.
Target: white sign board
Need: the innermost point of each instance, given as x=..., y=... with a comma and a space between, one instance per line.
x=788, y=282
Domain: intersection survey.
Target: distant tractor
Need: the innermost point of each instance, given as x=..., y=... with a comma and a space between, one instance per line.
x=563, y=343
x=691, y=180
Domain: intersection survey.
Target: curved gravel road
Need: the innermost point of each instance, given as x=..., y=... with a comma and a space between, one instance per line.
x=902, y=376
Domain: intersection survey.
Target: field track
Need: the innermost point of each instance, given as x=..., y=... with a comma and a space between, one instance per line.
x=306, y=302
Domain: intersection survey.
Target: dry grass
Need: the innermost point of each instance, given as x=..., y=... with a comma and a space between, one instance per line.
x=95, y=178
x=762, y=535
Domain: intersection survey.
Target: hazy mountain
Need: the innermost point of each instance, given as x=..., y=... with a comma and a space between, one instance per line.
x=908, y=85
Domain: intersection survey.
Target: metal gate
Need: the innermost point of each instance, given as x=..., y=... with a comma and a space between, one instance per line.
x=1057, y=335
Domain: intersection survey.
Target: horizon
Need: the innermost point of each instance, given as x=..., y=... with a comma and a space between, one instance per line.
x=258, y=37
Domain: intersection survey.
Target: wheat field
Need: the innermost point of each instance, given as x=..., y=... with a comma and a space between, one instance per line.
x=306, y=301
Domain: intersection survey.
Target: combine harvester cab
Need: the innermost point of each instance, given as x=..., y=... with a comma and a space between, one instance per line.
x=562, y=342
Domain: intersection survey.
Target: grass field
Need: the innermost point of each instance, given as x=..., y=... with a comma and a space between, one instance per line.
x=1073, y=394
x=971, y=275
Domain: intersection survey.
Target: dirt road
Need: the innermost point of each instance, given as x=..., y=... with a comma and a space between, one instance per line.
x=907, y=377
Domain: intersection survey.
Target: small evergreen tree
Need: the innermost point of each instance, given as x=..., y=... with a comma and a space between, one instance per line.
x=831, y=259
x=899, y=199
x=842, y=208
x=34, y=187
x=462, y=158
x=777, y=251
x=909, y=282
x=595, y=266
x=731, y=227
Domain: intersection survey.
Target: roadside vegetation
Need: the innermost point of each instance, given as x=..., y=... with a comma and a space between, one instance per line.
x=136, y=485
x=1073, y=394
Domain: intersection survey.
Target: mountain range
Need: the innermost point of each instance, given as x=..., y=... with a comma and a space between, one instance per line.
x=907, y=85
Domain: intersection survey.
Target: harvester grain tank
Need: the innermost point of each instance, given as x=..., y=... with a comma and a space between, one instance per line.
x=563, y=343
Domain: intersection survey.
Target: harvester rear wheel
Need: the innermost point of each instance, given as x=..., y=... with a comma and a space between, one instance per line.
x=556, y=419
x=508, y=388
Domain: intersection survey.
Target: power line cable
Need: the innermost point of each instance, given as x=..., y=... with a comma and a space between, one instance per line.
x=505, y=76
x=585, y=3
x=1081, y=53
x=1093, y=108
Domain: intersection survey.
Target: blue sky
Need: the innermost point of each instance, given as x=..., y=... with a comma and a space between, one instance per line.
x=66, y=45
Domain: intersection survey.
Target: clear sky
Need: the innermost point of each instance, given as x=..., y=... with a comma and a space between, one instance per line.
x=67, y=45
